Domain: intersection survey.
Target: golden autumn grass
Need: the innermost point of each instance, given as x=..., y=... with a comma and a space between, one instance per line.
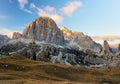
x=21, y=70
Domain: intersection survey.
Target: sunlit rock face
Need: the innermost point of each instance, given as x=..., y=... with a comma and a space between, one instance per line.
x=16, y=35
x=69, y=35
x=44, y=29
x=79, y=39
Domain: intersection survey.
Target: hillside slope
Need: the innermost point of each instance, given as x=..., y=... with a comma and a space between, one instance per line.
x=20, y=70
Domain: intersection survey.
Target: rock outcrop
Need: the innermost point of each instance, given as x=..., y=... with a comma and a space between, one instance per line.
x=107, y=51
x=49, y=52
x=78, y=39
x=44, y=29
x=3, y=39
x=115, y=62
x=118, y=47
x=106, y=47
x=16, y=35
x=116, y=59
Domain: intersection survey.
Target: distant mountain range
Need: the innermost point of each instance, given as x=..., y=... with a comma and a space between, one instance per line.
x=43, y=39
x=45, y=29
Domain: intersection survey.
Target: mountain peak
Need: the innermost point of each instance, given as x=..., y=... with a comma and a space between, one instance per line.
x=64, y=28
x=66, y=31
x=43, y=29
x=69, y=32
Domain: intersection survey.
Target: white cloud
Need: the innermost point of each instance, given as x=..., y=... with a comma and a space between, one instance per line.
x=113, y=40
x=71, y=7
x=6, y=31
x=48, y=11
x=28, y=11
x=32, y=5
x=22, y=5
x=58, y=17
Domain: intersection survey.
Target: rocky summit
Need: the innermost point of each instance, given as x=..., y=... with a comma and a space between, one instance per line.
x=44, y=29
x=78, y=39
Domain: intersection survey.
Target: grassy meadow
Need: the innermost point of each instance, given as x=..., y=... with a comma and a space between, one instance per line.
x=21, y=70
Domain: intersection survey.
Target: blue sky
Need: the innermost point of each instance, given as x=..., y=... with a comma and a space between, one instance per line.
x=92, y=17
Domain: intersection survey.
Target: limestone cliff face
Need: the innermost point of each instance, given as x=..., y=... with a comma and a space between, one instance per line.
x=16, y=35
x=84, y=41
x=44, y=29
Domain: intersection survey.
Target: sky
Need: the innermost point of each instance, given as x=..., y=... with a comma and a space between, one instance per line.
x=99, y=19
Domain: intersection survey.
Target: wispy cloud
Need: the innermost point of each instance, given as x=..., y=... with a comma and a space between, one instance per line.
x=113, y=40
x=52, y=12
x=71, y=7
x=22, y=4
x=49, y=12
